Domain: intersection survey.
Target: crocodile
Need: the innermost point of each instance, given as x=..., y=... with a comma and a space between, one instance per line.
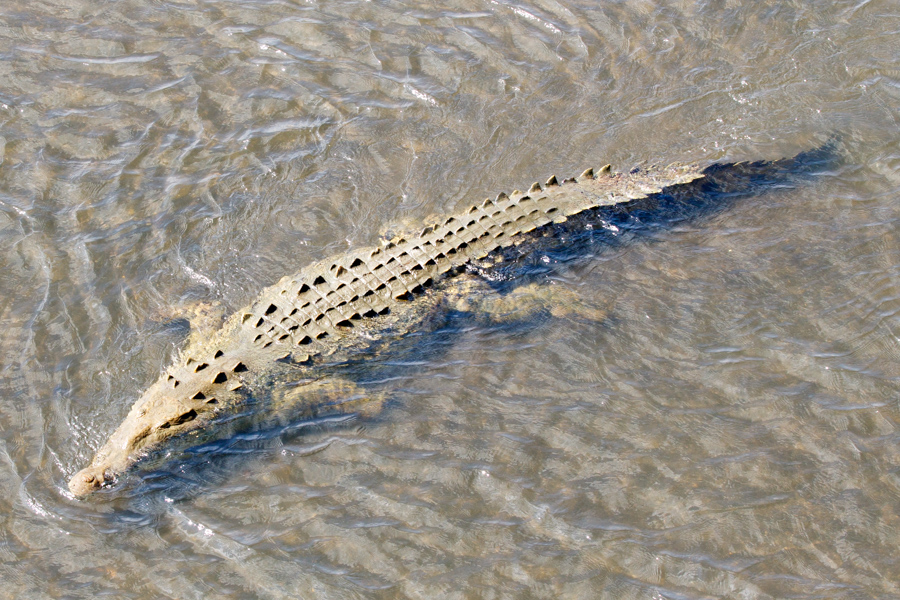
x=278, y=346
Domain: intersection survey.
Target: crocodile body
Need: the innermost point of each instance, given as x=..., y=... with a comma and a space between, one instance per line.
x=342, y=306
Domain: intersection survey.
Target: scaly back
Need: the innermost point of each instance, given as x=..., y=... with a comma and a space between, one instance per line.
x=332, y=296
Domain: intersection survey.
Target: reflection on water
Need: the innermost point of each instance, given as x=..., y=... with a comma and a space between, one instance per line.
x=728, y=427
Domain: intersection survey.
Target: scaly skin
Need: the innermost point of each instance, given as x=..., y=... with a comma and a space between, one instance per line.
x=340, y=306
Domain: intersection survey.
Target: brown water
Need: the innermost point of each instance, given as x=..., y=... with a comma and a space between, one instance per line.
x=729, y=429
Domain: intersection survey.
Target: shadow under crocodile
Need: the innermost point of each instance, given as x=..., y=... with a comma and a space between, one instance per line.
x=384, y=369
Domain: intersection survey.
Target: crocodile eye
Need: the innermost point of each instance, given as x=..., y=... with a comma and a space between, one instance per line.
x=180, y=419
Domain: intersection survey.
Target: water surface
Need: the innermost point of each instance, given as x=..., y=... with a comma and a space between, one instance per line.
x=721, y=422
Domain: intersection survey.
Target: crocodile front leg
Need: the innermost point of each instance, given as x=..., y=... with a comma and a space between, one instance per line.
x=474, y=295
x=323, y=397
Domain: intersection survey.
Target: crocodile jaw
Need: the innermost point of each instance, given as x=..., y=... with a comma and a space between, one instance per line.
x=131, y=442
x=113, y=460
x=121, y=451
x=157, y=420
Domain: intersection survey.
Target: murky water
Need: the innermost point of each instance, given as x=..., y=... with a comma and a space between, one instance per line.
x=727, y=428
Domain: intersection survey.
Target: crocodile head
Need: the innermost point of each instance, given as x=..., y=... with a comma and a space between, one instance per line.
x=159, y=419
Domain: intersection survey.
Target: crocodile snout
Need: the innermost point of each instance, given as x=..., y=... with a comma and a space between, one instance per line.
x=89, y=480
